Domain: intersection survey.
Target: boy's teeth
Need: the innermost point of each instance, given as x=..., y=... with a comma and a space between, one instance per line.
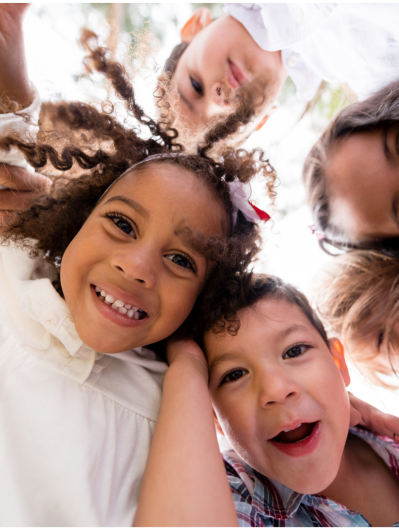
x=125, y=309
x=286, y=431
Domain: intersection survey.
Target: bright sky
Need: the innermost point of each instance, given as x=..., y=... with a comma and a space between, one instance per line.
x=290, y=251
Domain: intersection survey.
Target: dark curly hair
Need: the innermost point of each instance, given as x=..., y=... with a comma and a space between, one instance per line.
x=95, y=141
x=379, y=112
x=246, y=289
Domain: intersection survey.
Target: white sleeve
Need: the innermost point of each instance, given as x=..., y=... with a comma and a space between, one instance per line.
x=12, y=123
x=275, y=26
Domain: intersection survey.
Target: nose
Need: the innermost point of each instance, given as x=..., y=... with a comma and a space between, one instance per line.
x=276, y=388
x=137, y=263
x=221, y=94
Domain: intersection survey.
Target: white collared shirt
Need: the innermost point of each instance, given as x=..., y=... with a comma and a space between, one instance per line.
x=75, y=425
x=353, y=43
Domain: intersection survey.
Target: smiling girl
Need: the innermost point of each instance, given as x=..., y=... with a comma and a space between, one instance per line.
x=102, y=265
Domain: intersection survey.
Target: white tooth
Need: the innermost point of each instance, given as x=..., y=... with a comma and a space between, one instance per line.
x=101, y=298
x=136, y=315
x=130, y=313
x=114, y=306
x=107, y=302
x=286, y=431
x=110, y=299
x=134, y=308
x=128, y=306
x=298, y=426
x=122, y=310
x=97, y=289
x=103, y=293
x=119, y=303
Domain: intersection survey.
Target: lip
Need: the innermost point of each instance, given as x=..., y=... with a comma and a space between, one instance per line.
x=300, y=448
x=235, y=77
x=113, y=315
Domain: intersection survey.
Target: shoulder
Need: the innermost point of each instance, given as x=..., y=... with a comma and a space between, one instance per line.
x=250, y=492
x=131, y=380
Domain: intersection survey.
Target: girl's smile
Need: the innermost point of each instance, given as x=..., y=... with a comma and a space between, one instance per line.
x=127, y=278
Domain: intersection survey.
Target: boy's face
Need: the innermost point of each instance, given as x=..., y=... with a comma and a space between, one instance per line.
x=277, y=374
x=221, y=57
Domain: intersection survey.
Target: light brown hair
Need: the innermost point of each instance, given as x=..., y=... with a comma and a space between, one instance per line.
x=357, y=297
x=379, y=112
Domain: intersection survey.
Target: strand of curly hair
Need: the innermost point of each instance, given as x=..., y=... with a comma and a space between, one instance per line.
x=50, y=224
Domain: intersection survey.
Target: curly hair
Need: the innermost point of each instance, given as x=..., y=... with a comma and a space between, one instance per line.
x=244, y=290
x=357, y=297
x=107, y=148
x=378, y=112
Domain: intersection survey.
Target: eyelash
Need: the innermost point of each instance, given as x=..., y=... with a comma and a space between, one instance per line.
x=305, y=345
x=224, y=378
x=196, y=86
x=117, y=215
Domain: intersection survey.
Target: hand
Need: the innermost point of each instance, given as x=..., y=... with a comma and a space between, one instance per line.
x=373, y=419
x=24, y=187
x=14, y=79
x=187, y=351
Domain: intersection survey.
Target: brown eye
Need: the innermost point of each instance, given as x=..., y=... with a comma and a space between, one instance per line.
x=122, y=223
x=233, y=376
x=295, y=351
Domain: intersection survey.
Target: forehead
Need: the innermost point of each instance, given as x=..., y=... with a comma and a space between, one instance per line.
x=171, y=192
x=359, y=185
x=261, y=324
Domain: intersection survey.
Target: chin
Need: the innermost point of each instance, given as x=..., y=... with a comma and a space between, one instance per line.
x=312, y=482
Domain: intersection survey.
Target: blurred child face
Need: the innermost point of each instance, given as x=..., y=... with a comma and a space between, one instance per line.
x=279, y=397
x=363, y=182
x=220, y=58
x=127, y=278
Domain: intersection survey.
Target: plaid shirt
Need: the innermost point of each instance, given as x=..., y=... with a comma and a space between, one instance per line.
x=261, y=502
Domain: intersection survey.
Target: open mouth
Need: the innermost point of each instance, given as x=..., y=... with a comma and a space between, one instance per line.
x=300, y=441
x=132, y=312
x=235, y=76
x=300, y=433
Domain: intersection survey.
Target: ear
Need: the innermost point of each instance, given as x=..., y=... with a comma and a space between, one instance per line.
x=200, y=20
x=218, y=426
x=337, y=351
x=265, y=118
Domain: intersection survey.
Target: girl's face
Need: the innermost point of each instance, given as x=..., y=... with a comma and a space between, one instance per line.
x=363, y=181
x=127, y=278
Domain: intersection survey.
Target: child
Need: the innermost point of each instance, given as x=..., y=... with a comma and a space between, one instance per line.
x=309, y=42
x=277, y=388
x=117, y=259
x=357, y=297
x=351, y=176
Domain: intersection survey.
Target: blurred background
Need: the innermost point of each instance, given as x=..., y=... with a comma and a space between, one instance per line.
x=145, y=34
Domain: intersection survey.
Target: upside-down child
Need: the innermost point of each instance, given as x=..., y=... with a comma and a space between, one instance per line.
x=308, y=42
x=277, y=387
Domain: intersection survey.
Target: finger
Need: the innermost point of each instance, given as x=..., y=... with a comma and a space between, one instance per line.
x=15, y=200
x=384, y=424
x=355, y=417
x=23, y=180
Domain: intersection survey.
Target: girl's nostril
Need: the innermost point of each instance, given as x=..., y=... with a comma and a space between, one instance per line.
x=219, y=91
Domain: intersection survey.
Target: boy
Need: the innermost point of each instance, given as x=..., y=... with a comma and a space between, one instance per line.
x=278, y=393
x=353, y=43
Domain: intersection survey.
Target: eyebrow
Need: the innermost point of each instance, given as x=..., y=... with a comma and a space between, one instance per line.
x=288, y=331
x=133, y=204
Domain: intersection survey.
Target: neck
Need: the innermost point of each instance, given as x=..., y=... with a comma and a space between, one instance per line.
x=348, y=473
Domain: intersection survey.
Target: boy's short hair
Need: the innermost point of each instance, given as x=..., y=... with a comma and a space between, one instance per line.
x=251, y=288
x=173, y=59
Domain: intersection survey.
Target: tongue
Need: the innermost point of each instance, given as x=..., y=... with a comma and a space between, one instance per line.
x=293, y=436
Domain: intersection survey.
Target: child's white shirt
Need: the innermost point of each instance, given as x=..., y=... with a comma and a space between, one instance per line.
x=353, y=43
x=75, y=425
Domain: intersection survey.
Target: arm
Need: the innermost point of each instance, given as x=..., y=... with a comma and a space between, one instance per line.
x=21, y=187
x=185, y=480
x=372, y=418
x=14, y=79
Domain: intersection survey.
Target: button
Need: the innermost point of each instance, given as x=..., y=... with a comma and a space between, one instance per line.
x=299, y=15
x=50, y=319
x=293, y=60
